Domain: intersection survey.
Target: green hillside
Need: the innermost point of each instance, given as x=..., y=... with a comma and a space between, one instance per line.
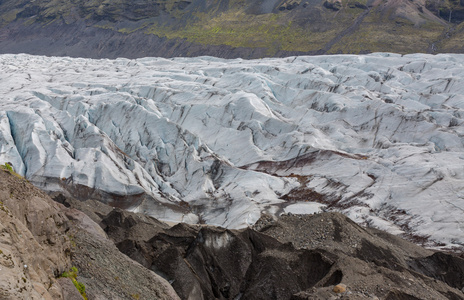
x=193, y=27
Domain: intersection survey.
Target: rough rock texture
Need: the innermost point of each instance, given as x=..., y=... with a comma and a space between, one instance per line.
x=106, y=272
x=290, y=257
x=68, y=289
x=333, y=4
x=34, y=248
x=40, y=239
x=205, y=262
x=371, y=263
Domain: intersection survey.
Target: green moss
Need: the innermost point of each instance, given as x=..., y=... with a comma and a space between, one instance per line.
x=10, y=16
x=237, y=29
x=72, y=274
x=105, y=26
x=374, y=37
x=71, y=240
x=80, y=287
x=8, y=168
x=131, y=30
x=3, y=208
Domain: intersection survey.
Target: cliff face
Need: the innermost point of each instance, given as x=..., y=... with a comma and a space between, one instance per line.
x=232, y=28
x=34, y=248
x=40, y=239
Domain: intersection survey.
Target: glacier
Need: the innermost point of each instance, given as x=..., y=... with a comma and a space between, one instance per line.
x=378, y=137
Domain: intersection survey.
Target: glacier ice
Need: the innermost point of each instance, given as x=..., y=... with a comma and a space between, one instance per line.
x=378, y=137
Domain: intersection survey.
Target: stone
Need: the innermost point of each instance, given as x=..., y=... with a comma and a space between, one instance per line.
x=68, y=289
x=339, y=288
x=333, y=4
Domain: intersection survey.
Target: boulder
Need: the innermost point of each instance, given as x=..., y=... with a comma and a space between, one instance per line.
x=333, y=4
x=339, y=288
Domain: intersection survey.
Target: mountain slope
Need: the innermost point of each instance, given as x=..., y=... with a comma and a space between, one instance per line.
x=227, y=28
x=41, y=239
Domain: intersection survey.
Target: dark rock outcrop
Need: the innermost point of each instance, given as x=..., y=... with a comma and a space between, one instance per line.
x=206, y=262
x=441, y=266
x=333, y=4
x=292, y=257
x=449, y=10
x=370, y=262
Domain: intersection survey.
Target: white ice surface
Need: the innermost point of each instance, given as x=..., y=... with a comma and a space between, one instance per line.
x=385, y=133
x=304, y=208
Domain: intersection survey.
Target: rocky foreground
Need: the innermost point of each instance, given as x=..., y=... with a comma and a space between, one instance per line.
x=41, y=239
x=322, y=256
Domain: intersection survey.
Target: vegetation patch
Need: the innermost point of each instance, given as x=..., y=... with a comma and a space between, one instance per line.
x=8, y=168
x=237, y=29
x=72, y=274
x=286, y=31
x=3, y=208
x=402, y=38
x=293, y=26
